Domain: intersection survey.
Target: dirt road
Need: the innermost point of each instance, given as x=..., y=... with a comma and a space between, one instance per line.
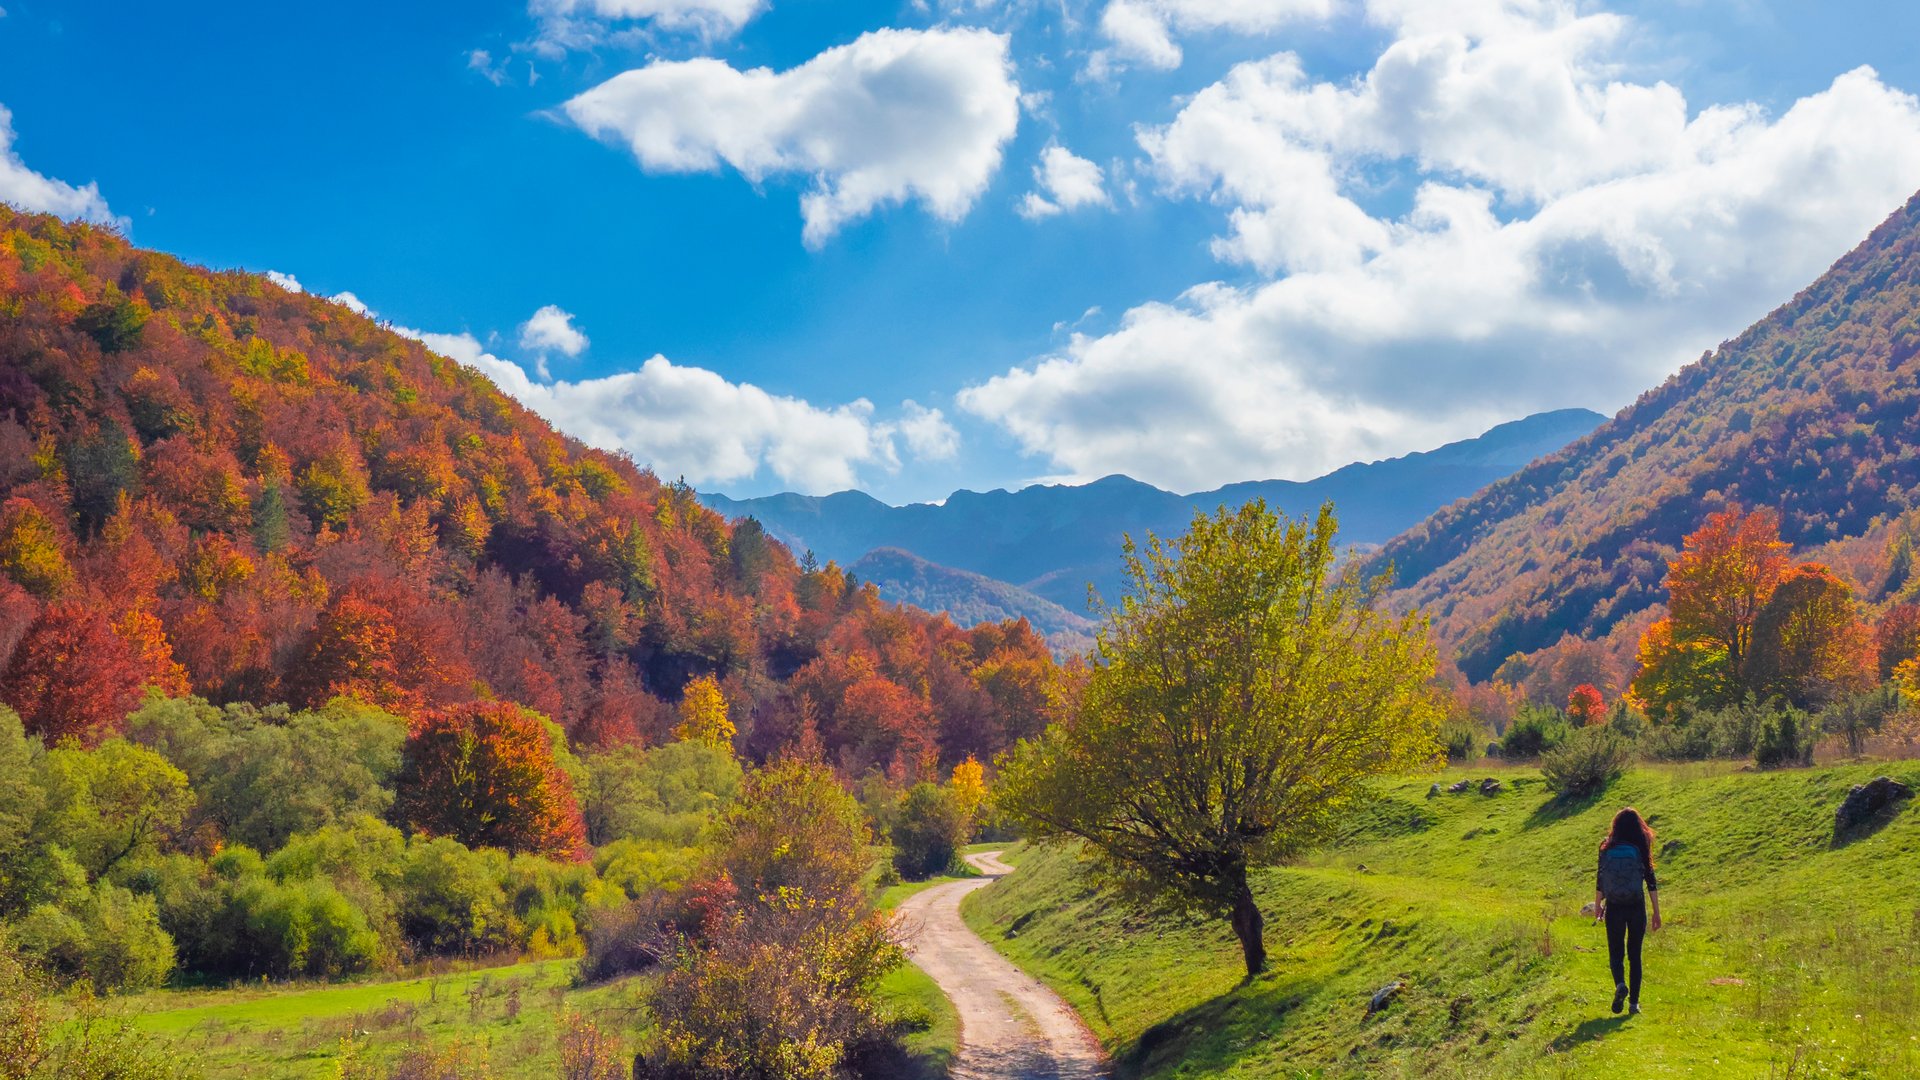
x=1011, y=1027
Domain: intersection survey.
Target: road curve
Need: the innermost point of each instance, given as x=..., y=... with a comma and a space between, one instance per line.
x=1011, y=1027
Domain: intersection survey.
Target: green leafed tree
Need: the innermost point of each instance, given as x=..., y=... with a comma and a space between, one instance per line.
x=1246, y=688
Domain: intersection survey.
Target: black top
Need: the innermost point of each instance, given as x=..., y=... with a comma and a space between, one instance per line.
x=1646, y=868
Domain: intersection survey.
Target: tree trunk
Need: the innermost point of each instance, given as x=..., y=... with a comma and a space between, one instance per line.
x=1248, y=926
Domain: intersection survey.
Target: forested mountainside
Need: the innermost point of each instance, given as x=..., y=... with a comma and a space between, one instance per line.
x=971, y=598
x=1813, y=411
x=211, y=485
x=1053, y=540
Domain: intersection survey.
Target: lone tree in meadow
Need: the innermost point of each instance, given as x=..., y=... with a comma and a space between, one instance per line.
x=1245, y=688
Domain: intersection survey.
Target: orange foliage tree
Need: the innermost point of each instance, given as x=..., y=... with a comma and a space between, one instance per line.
x=1809, y=643
x=1745, y=622
x=1723, y=576
x=488, y=775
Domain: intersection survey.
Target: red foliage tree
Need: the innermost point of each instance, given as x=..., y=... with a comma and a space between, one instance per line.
x=1897, y=638
x=72, y=676
x=1585, y=706
x=486, y=774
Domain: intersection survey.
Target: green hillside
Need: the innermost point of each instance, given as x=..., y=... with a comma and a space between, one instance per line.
x=1782, y=955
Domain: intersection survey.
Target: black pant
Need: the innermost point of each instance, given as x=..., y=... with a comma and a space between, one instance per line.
x=1626, y=928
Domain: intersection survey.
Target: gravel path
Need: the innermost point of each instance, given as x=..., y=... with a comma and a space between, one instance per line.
x=1011, y=1026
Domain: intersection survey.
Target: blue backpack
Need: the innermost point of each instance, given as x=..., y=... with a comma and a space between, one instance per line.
x=1620, y=874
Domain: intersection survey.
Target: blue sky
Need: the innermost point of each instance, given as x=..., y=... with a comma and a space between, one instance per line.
x=1276, y=236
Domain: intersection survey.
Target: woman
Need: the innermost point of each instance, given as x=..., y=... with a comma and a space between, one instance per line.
x=1626, y=861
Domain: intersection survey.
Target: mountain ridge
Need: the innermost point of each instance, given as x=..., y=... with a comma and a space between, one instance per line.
x=1053, y=539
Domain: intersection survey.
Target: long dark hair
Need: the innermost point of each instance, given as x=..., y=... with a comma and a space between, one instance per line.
x=1630, y=828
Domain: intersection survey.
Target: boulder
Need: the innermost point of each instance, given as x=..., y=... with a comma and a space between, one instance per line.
x=1434, y=790
x=1490, y=786
x=1459, y=787
x=1866, y=802
x=1384, y=995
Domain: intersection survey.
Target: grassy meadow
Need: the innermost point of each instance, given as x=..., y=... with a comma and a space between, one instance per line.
x=504, y=1021
x=1782, y=956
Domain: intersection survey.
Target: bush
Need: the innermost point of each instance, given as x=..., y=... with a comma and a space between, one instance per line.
x=1590, y=760
x=779, y=993
x=1732, y=732
x=667, y=795
x=451, y=900
x=1858, y=716
x=109, y=937
x=1463, y=740
x=929, y=832
x=86, y=1047
x=635, y=936
x=1534, y=732
x=1786, y=739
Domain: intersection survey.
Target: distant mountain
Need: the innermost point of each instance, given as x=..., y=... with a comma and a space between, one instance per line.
x=970, y=598
x=1052, y=540
x=1814, y=410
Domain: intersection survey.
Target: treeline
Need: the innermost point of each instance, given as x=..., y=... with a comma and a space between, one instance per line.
x=1754, y=655
x=216, y=843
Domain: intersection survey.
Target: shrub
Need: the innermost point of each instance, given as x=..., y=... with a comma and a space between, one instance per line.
x=108, y=936
x=1858, y=716
x=1533, y=732
x=451, y=900
x=86, y=1047
x=779, y=992
x=666, y=795
x=1786, y=738
x=1591, y=758
x=1462, y=740
x=780, y=981
x=929, y=832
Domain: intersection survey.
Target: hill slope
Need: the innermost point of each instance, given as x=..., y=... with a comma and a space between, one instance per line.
x=1777, y=948
x=1054, y=539
x=1815, y=410
x=217, y=486
x=970, y=598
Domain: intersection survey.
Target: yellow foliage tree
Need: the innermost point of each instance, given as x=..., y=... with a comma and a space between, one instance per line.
x=703, y=715
x=969, y=786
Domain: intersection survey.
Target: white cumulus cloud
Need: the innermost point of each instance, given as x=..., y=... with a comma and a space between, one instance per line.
x=1145, y=31
x=895, y=115
x=551, y=330
x=1573, y=239
x=1066, y=181
x=691, y=422
x=35, y=192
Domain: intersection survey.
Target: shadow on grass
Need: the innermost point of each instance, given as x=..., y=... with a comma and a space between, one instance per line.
x=1588, y=1031
x=1561, y=807
x=1212, y=1036
x=1881, y=819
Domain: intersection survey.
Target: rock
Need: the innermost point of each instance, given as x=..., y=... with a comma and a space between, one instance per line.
x=1434, y=790
x=1384, y=995
x=1866, y=801
x=1490, y=786
x=1459, y=787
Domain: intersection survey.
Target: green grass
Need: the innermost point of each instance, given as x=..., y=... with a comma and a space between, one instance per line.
x=509, y=1016
x=1781, y=956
